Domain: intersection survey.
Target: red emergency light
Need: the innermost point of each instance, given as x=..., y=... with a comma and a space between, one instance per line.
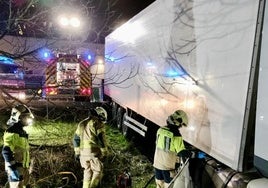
x=51, y=91
x=86, y=91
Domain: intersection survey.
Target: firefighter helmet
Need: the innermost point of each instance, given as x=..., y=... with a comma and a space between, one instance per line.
x=178, y=118
x=20, y=113
x=102, y=114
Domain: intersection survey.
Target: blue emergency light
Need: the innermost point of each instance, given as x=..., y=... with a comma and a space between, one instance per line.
x=110, y=58
x=88, y=56
x=173, y=73
x=45, y=54
x=6, y=60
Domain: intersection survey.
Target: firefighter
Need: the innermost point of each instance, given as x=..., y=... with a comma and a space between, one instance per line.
x=90, y=146
x=16, y=147
x=169, y=143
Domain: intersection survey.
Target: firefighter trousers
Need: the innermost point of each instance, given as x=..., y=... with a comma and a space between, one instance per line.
x=24, y=172
x=93, y=169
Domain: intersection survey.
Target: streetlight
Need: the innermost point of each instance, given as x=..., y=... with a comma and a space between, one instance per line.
x=69, y=21
x=71, y=26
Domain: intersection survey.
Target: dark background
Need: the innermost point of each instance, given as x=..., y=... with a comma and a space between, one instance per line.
x=105, y=16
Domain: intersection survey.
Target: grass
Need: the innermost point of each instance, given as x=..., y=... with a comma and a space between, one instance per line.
x=51, y=133
x=53, y=157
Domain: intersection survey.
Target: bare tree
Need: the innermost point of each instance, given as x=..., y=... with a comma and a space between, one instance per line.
x=28, y=26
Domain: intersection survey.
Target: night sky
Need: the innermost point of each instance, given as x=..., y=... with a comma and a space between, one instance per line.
x=129, y=8
x=124, y=10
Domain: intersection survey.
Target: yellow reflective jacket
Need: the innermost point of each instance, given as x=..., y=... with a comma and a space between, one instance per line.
x=16, y=147
x=169, y=143
x=89, y=139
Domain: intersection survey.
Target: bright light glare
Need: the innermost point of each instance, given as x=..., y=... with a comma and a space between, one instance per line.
x=100, y=61
x=163, y=102
x=22, y=96
x=129, y=32
x=189, y=104
x=75, y=22
x=46, y=54
x=64, y=21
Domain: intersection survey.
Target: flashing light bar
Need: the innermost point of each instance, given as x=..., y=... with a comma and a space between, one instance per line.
x=86, y=91
x=6, y=60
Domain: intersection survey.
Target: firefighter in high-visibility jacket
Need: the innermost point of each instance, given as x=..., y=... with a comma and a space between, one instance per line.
x=90, y=146
x=169, y=143
x=16, y=147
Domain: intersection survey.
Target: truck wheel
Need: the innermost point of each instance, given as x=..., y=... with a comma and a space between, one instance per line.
x=125, y=128
x=114, y=109
x=119, y=118
x=114, y=113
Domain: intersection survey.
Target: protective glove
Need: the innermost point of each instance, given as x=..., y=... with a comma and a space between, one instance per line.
x=177, y=166
x=184, y=155
x=104, y=151
x=14, y=175
x=77, y=157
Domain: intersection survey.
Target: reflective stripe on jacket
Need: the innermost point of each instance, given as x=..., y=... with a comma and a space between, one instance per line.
x=168, y=144
x=16, y=147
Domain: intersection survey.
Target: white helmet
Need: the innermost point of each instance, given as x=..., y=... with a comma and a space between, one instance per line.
x=20, y=113
x=102, y=114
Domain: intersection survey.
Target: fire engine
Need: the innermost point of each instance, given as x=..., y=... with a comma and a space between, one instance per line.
x=68, y=77
x=12, y=84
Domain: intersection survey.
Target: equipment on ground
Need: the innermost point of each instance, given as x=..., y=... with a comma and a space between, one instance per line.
x=124, y=180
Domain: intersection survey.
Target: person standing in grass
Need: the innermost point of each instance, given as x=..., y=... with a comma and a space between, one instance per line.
x=90, y=146
x=169, y=143
x=16, y=149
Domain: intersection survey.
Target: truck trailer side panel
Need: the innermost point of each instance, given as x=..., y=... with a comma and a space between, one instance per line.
x=190, y=55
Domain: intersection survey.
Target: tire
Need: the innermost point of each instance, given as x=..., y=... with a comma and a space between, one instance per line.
x=114, y=114
x=125, y=128
x=114, y=109
x=119, y=118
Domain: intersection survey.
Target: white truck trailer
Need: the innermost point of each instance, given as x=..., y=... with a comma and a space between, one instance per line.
x=208, y=58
